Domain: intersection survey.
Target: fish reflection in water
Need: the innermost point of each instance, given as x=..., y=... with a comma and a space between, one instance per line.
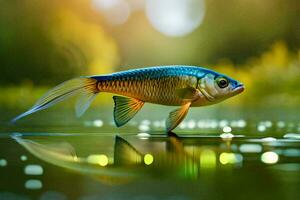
x=184, y=157
x=127, y=161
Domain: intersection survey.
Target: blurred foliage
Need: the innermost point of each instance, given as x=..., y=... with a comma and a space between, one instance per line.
x=271, y=79
x=232, y=29
x=49, y=41
x=43, y=43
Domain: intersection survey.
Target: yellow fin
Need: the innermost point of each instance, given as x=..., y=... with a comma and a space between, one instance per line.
x=176, y=116
x=125, y=109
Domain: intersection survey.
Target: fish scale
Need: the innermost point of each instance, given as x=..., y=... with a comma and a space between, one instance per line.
x=150, y=85
x=163, y=92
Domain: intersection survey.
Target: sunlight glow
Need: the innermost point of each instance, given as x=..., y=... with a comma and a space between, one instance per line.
x=116, y=12
x=175, y=17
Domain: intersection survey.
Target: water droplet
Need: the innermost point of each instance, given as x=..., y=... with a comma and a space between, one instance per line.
x=144, y=127
x=23, y=158
x=146, y=122
x=280, y=124
x=33, y=184
x=223, y=123
x=250, y=148
x=3, y=162
x=98, y=123
x=261, y=128
x=33, y=170
x=143, y=136
x=268, y=124
x=191, y=124
x=292, y=136
x=268, y=139
x=227, y=129
x=213, y=124
x=241, y=123
x=227, y=135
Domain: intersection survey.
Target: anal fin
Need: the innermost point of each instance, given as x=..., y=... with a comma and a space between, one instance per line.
x=176, y=116
x=125, y=109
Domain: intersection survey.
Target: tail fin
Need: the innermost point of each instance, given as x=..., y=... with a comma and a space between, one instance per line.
x=85, y=86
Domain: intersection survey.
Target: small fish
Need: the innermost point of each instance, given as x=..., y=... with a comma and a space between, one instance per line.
x=184, y=86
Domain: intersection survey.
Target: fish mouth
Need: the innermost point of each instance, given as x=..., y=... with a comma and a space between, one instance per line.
x=239, y=89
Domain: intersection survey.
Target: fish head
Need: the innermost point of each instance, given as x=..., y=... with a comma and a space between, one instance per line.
x=218, y=87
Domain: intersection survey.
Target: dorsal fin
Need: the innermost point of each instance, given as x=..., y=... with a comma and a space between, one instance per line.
x=125, y=109
x=125, y=153
x=176, y=116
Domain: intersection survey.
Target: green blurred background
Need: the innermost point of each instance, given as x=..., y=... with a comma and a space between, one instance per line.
x=43, y=43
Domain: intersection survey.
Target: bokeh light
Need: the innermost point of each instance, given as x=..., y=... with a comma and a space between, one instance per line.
x=230, y=158
x=33, y=184
x=100, y=159
x=175, y=17
x=269, y=157
x=148, y=159
x=115, y=11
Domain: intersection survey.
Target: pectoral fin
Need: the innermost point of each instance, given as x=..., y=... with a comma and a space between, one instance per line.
x=176, y=116
x=187, y=93
x=125, y=109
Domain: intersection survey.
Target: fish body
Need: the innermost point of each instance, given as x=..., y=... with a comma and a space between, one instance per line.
x=153, y=85
x=184, y=86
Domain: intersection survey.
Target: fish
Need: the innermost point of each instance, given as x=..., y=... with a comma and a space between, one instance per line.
x=176, y=85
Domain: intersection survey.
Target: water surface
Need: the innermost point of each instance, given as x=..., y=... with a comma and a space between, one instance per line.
x=210, y=158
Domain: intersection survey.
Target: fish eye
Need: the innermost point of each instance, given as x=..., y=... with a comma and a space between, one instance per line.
x=222, y=82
